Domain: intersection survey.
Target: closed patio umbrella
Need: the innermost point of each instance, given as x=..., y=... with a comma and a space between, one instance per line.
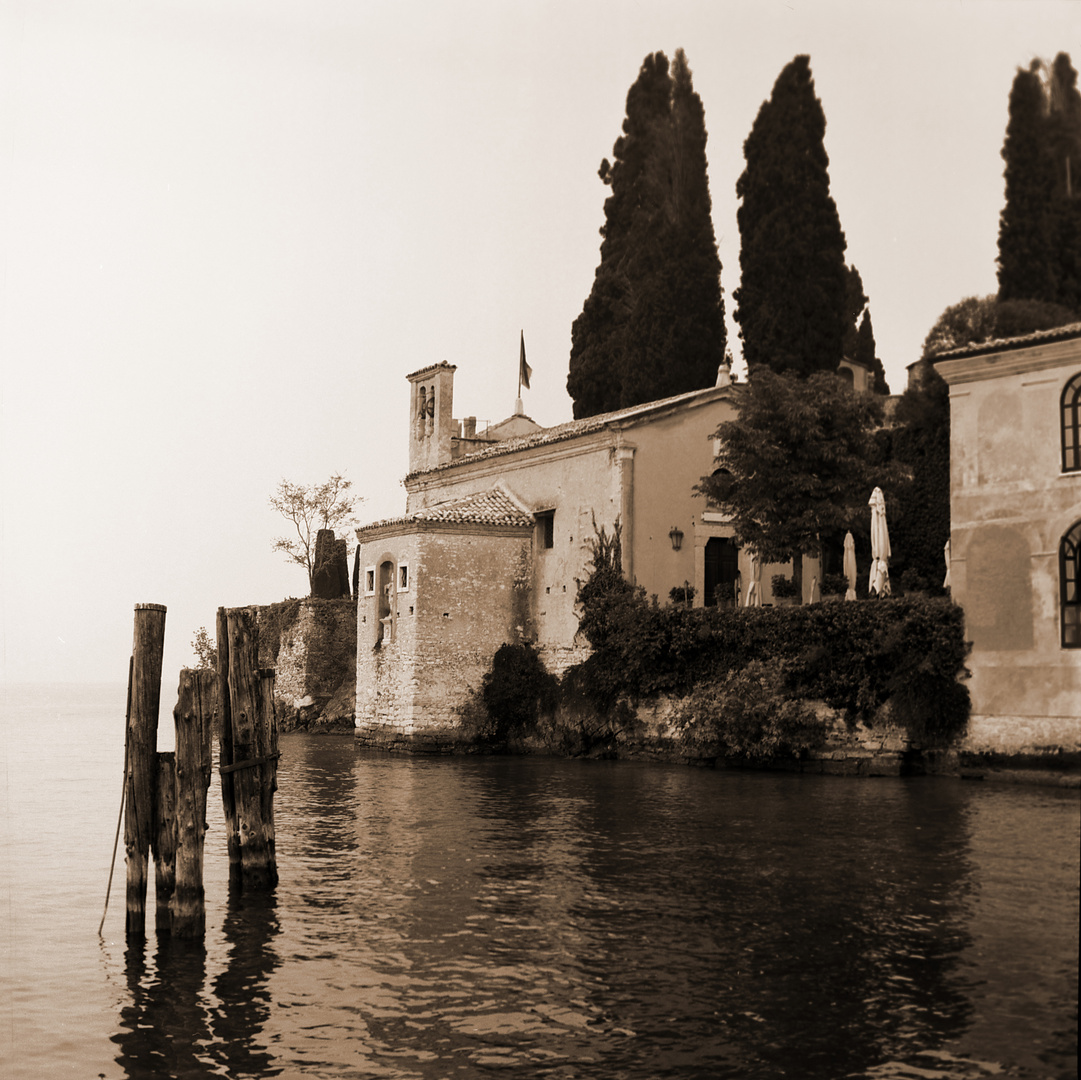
x=879, y=583
x=850, y=566
x=754, y=590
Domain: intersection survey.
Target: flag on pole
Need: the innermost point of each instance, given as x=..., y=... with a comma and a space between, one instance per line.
x=524, y=370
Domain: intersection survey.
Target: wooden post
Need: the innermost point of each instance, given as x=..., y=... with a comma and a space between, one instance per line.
x=147, y=651
x=225, y=748
x=258, y=869
x=193, y=717
x=269, y=742
x=163, y=843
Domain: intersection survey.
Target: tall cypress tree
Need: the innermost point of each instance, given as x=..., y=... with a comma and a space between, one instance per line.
x=1064, y=147
x=1024, y=251
x=653, y=324
x=855, y=303
x=1040, y=225
x=791, y=298
x=867, y=354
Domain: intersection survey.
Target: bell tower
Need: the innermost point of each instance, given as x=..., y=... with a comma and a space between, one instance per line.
x=431, y=412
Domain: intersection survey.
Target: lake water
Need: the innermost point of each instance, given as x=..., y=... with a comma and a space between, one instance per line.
x=541, y=918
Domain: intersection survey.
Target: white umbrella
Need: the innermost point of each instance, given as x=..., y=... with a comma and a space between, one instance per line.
x=850, y=566
x=754, y=590
x=946, y=583
x=879, y=583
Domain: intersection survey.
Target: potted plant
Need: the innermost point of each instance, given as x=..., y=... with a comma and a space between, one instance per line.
x=682, y=595
x=784, y=590
x=834, y=586
x=913, y=583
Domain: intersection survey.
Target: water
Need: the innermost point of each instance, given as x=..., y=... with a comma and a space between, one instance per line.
x=468, y=918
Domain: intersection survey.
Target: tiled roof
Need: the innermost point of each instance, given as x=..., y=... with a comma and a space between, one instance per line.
x=492, y=507
x=1025, y=341
x=569, y=430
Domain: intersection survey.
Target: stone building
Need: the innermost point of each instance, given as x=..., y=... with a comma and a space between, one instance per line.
x=497, y=534
x=1015, y=505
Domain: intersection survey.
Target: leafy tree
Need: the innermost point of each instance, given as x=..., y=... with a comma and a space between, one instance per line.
x=987, y=318
x=797, y=465
x=311, y=508
x=1040, y=224
x=792, y=296
x=653, y=323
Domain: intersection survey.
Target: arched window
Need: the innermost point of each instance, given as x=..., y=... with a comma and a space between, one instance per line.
x=712, y=505
x=1069, y=577
x=1071, y=436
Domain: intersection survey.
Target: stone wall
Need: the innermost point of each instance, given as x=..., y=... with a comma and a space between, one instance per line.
x=467, y=594
x=312, y=646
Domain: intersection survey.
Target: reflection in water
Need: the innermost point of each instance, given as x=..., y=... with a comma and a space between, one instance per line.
x=567, y=919
x=171, y=1027
x=242, y=988
x=164, y=1029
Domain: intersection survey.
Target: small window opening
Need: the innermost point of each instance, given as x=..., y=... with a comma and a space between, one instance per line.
x=546, y=520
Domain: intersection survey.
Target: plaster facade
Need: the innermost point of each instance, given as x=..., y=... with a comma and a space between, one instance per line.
x=1012, y=503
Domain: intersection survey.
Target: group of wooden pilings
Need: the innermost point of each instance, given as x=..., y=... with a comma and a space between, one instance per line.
x=165, y=792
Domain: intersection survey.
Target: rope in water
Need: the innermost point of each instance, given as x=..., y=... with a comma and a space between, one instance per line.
x=123, y=798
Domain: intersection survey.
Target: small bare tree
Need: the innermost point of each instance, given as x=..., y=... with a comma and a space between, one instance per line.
x=311, y=508
x=205, y=649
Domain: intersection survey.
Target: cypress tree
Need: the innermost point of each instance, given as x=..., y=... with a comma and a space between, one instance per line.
x=867, y=354
x=791, y=298
x=653, y=324
x=1064, y=147
x=1040, y=225
x=1024, y=252
x=855, y=302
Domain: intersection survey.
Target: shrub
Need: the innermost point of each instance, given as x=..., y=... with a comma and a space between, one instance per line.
x=854, y=656
x=783, y=587
x=515, y=691
x=748, y=716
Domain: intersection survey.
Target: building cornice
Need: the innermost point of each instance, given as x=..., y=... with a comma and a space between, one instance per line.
x=1018, y=361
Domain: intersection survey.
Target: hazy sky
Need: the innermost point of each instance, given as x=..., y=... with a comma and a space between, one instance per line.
x=229, y=229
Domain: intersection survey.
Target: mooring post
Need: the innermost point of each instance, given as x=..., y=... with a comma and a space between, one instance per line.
x=142, y=735
x=258, y=869
x=163, y=844
x=193, y=717
x=225, y=747
x=269, y=750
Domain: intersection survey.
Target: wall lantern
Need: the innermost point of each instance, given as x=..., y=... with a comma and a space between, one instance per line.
x=676, y=536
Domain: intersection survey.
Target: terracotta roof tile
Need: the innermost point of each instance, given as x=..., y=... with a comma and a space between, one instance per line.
x=1025, y=341
x=569, y=430
x=492, y=507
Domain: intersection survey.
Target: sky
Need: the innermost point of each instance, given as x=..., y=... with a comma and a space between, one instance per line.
x=230, y=228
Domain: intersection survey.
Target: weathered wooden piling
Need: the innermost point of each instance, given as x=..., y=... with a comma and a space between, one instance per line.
x=193, y=718
x=142, y=737
x=269, y=741
x=163, y=843
x=250, y=764
x=225, y=746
